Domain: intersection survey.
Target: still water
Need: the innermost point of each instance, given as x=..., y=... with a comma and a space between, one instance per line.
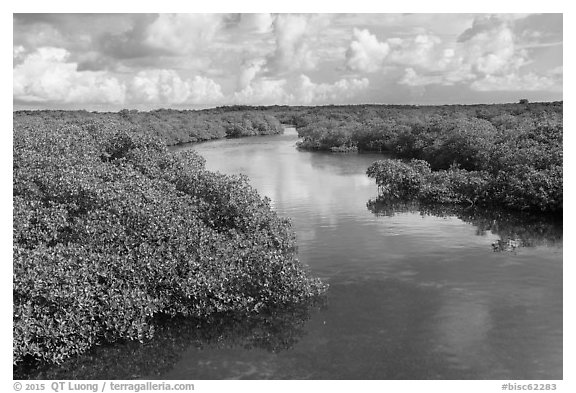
x=414, y=293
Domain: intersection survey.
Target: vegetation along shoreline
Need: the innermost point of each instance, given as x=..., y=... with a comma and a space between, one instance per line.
x=111, y=229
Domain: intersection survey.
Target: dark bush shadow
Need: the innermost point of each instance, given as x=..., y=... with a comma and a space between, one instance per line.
x=516, y=229
x=273, y=330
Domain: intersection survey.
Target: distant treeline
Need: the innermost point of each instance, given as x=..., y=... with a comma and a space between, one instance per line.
x=171, y=126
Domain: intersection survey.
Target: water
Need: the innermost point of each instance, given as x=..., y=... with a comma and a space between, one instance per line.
x=414, y=294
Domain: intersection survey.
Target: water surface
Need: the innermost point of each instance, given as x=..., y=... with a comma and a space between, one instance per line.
x=414, y=293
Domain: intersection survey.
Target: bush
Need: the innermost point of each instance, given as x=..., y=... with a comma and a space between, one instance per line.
x=398, y=179
x=522, y=188
x=509, y=155
x=111, y=229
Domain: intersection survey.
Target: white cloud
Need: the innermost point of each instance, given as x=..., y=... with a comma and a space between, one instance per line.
x=167, y=87
x=189, y=59
x=38, y=35
x=489, y=47
x=299, y=90
x=293, y=34
x=263, y=92
x=366, y=53
x=98, y=88
x=159, y=86
x=18, y=53
x=485, y=55
x=308, y=92
x=423, y=50
x=183, y=33
x=249, y=70
x=204, y=91
x=47, y=75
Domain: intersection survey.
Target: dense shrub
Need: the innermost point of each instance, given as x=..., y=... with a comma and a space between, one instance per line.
x=397, y=179
x=414, y=180
x=523, y=189
x=378, y=136
x=171, y=126
x=328, y=134
x=509, y=155
x=111, y=229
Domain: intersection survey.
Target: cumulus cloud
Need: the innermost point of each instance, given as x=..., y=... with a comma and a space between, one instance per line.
x=167, y=87
x=487, y=55
x=196, y=59
x=18, y=54
x=489, y=46
x=204, y=91
x=293, y=34
x=263, y=92
x=182, y=33
x=249, y=70
x=366, y=53
x=47, y=75
x=424, y=50
x=300, y=90
x=38, y=34
x=309, y=92
x=159, y=86
x=78, y=33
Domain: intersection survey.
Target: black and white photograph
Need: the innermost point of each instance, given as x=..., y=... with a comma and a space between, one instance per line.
x=351, y=196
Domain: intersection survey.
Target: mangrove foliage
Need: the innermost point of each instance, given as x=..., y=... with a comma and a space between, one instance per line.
x=111, y=230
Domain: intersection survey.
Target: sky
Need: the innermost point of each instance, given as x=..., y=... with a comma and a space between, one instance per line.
x=192, y=61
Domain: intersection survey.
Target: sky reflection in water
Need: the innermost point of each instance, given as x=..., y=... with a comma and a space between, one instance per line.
x=415, y=293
